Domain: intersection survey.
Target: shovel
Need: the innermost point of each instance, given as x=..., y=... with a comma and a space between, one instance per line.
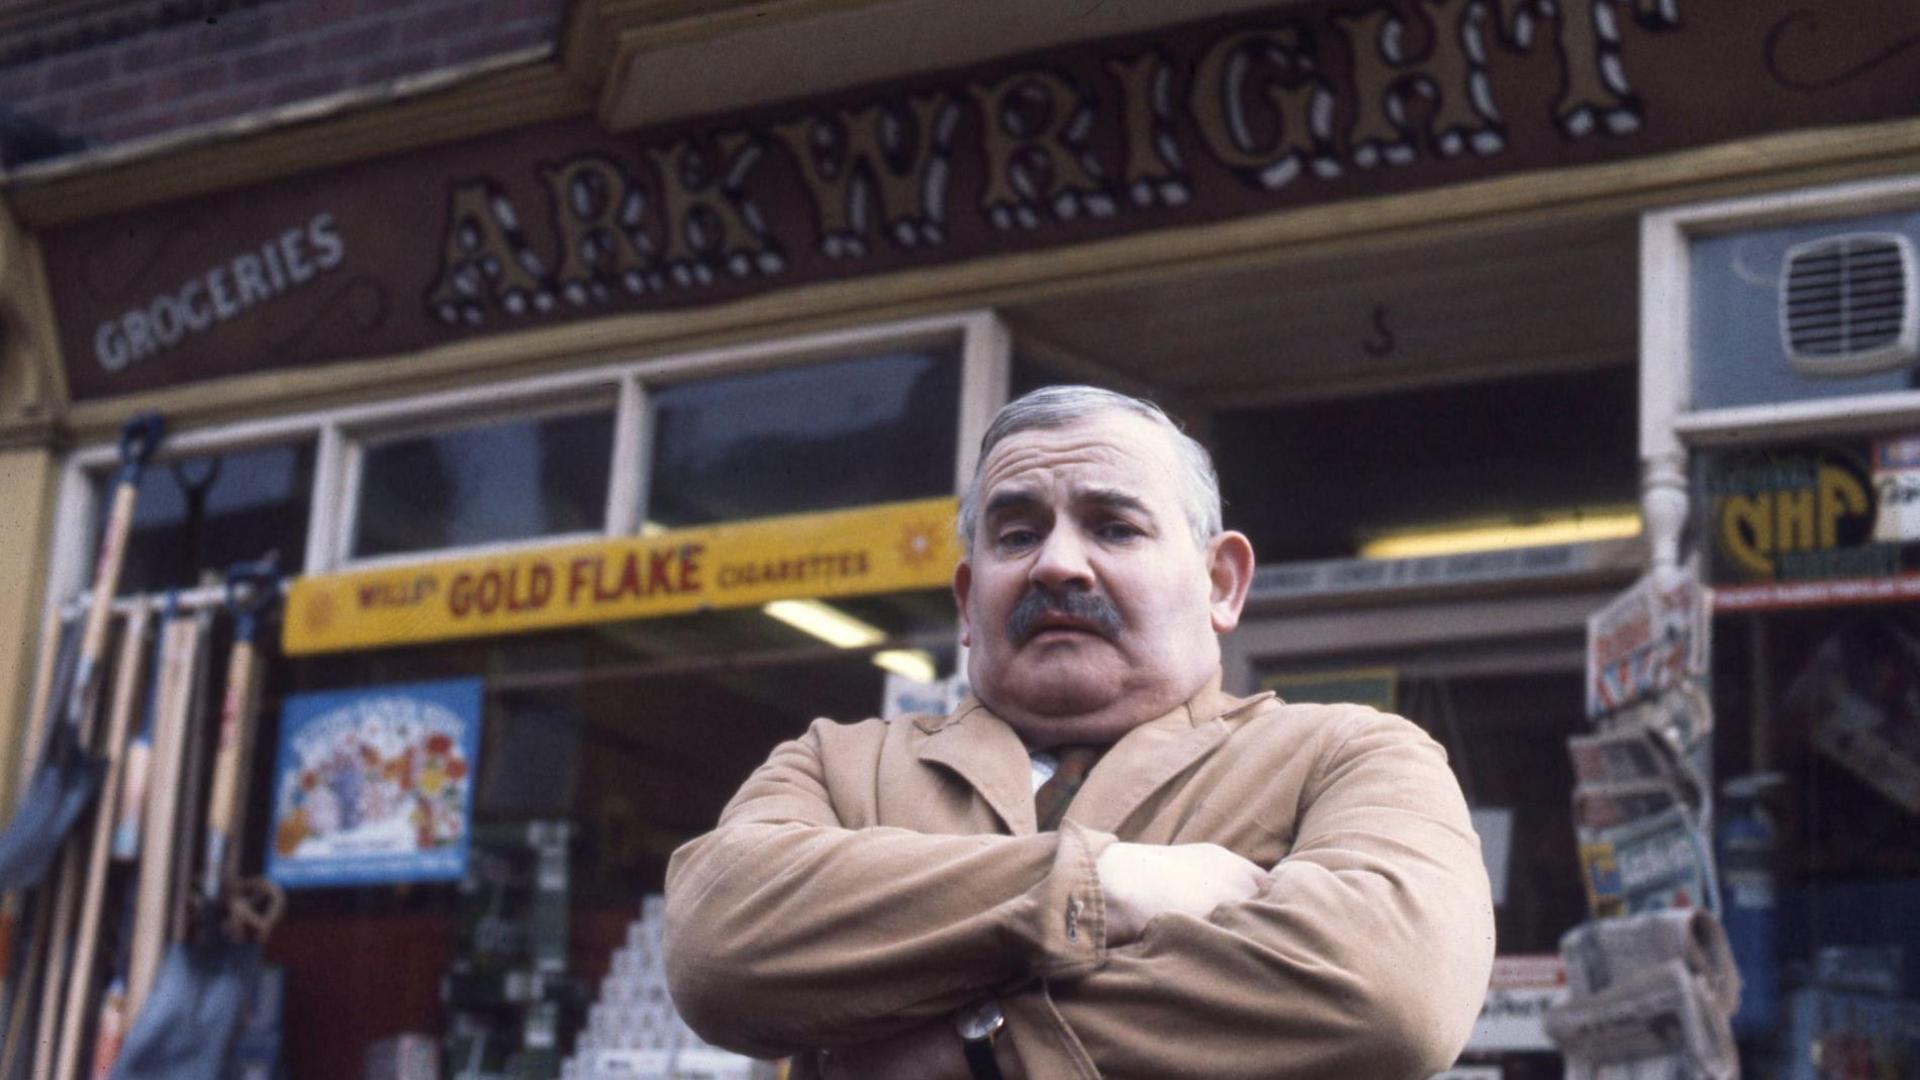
x=69, y=776
x=187, y=1025
x=42, y=804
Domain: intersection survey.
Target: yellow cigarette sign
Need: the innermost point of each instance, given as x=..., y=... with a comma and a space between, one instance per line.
x=873, y=549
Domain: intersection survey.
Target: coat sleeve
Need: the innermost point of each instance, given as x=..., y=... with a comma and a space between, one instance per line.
x=1366, y=954
x=787, y=931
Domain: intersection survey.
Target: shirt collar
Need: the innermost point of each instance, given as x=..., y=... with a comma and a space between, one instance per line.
x=1208, y=703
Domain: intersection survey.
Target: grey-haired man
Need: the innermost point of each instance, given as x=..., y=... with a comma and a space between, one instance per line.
x=1100, y=865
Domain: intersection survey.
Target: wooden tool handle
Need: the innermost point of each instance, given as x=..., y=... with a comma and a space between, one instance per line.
x=153, y=898
x=80, y=983
x=235, y=747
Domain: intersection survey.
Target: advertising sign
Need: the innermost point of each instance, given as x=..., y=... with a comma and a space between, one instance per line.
x=1815, y=524
x=1522, y=989
x=375, y=785
x=873, y=549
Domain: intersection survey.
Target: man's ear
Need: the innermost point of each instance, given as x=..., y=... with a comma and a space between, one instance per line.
x=1230, y=574
x=962, y=584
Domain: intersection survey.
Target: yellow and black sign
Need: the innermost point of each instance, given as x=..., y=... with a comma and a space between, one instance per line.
x=868, y=550
x=1795, y=514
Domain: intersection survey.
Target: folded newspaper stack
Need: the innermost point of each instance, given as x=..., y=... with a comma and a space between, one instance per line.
x=1650, y=997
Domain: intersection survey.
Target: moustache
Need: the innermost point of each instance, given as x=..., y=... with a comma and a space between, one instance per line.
x=1094, y=610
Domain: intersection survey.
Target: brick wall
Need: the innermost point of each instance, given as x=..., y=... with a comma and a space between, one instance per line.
x=102, y=84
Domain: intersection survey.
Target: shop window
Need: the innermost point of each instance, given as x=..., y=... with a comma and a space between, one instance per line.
x=847, y=433
x=631, y=734
x=517, y=480
x=1488, y=455
x=205, y=513
x=1505, y=734
x=1819, y=767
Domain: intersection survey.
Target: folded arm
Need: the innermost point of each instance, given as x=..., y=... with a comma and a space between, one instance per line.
x=1366, y=951
x=787, y=931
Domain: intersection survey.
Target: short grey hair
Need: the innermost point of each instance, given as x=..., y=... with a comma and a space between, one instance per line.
x=1063, y=406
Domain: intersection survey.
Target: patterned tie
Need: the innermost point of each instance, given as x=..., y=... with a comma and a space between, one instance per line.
x=1050, y=802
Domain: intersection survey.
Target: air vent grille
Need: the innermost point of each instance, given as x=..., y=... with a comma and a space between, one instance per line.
x=1847, y=304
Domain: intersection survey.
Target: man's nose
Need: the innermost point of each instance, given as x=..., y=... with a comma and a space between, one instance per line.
x=1062, y=562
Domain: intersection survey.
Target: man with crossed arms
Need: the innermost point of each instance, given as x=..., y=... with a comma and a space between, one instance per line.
x=1099, y=865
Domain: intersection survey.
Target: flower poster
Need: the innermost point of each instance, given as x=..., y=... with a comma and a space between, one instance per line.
x=375, y=785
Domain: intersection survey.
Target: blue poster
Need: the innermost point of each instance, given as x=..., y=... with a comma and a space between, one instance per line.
x=375, y=785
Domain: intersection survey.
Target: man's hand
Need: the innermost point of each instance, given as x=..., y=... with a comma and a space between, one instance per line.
x=1140, y=881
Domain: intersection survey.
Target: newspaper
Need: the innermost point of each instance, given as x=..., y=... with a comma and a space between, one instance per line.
x=1646, y=864
x=1616, y=756
x=1650, y=639
x=1680, y=719
x=1598, y=807
x=1600, y=954
x=1650, y=996
x=1655, y=1022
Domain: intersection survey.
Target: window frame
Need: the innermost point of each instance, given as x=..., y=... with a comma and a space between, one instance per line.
x=341, y=433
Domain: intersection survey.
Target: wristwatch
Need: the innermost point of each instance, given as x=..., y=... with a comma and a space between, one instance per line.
x=979, y=1025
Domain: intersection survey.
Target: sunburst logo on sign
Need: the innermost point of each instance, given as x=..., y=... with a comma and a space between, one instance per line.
x=319, y=613
x=919, y=543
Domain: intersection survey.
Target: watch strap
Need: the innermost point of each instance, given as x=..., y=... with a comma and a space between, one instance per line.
x=980, y=1059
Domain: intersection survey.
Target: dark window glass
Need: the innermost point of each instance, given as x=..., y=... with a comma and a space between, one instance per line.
x=849, y=433
x=209, y=512
x=1816, y=753
x=510, y=481
x=1314, y=481
x=1505, y=736
x=634, y=735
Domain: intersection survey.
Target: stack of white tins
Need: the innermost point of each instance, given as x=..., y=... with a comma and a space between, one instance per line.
x=633, y=1033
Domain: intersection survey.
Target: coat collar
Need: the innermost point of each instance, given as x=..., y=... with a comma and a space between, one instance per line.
x=988, y=754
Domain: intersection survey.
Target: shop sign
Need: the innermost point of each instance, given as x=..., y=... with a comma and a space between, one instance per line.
x=1835, y=522
x=857, y=552
x=1210, y=121
x=375, y=785
x=1511, y=1018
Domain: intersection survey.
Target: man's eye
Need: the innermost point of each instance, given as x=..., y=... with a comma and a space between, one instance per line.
x=1018, y=538
x=1119, y=530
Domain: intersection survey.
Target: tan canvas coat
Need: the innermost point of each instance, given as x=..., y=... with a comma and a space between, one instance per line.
x=871, y=877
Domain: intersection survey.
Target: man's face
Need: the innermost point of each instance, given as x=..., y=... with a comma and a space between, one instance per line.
x=1087, y=603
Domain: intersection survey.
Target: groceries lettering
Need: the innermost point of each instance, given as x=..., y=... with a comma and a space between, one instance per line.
x=274, y=267
x=1313, y=98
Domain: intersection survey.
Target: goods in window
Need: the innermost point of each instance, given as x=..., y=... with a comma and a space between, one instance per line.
x=634, y=1033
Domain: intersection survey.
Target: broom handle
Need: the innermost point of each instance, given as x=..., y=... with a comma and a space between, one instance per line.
x=158, y=854
x=81, y=983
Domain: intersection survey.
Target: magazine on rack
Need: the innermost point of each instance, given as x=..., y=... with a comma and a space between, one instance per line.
x=1861, y=692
